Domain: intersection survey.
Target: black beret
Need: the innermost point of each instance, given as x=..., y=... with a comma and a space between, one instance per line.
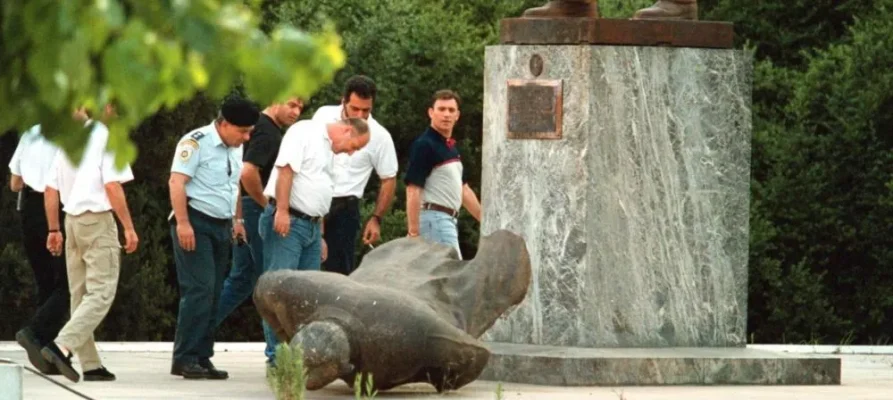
x=240, y=112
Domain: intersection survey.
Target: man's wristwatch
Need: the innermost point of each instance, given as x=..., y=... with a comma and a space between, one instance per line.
x=239, y=221
x=376, y=218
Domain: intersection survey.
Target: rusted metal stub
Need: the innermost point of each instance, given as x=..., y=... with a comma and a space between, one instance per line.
x=534, y=108
x=706, y=34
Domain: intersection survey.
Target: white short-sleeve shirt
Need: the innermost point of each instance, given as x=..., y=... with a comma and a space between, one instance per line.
x=307, y=150
x=82, y=187
x=33, y=158
x=352, y=172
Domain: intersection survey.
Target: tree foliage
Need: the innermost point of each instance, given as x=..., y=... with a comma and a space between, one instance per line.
x=143, y=56
x=822, y=191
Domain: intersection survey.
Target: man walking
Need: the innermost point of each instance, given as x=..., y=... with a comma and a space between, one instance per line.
x=89, y=193
x=352, y=172
x=204, y=191
x=30, y=169
x=436, y=183
x=300, y=191
x=259, y=153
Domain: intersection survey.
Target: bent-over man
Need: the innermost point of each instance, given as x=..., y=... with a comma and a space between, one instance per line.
x=300, y=192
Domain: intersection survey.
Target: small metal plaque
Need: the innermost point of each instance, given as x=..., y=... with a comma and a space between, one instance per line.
x=536, y=65
x=534, y=109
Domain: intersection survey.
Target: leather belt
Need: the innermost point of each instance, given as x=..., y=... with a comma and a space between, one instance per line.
x=339, y=203
x=297, y=213
x=436, y=207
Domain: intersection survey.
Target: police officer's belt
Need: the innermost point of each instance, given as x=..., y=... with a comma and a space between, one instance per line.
x=298, y=213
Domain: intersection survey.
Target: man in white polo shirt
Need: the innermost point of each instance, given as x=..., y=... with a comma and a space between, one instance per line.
x=300, y=192
x=89, y=193
x=29, y=168
x=352, y=172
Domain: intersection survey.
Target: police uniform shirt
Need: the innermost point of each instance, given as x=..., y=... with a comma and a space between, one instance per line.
x=33, y=159
x=263, y=146
x=307, y=150
x=82, y=187
x=352, y=171
x=213, y=169
x=436, y=165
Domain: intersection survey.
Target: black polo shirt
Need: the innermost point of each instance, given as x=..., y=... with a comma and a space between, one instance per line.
x=263, y=147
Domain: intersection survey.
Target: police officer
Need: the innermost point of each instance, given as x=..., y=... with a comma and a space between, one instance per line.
x=204, y=188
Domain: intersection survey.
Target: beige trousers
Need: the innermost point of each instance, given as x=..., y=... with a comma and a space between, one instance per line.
x=93, y=257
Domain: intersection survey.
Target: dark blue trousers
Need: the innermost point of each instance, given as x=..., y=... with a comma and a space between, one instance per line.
x=50, y=272
x=342, y=230
x=200, y=275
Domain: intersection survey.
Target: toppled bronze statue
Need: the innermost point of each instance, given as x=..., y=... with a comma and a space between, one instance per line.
x=412, y=312
x=662, y=9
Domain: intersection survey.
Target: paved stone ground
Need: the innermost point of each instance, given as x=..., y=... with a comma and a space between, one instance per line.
x=143, y=373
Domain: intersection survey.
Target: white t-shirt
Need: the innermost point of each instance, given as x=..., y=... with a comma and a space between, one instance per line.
x=352, y=171
x=82, y=188
x=307, y=150
x=33, y=159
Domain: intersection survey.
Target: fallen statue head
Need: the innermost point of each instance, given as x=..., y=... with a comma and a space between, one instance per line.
x=412, y=312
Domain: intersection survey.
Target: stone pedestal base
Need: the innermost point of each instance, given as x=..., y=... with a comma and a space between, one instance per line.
x=570, y=366
x=627, y=171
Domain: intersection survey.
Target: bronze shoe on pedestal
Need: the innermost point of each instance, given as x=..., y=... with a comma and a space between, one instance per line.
x=564, y=9
x=670, y=9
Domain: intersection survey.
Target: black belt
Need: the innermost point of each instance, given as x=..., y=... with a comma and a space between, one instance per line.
x=298, y=214
x=207, y=217
x=436, y=207
x=26, y=190
x=343, y=202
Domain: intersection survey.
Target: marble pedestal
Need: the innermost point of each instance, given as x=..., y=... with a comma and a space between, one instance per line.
x=635, y=212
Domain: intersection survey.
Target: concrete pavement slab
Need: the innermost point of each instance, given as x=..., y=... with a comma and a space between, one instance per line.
x=143, y=373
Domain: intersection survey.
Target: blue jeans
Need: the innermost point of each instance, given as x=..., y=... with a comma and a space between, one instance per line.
x=300, y=249
x=248, y=263
x=439, y=227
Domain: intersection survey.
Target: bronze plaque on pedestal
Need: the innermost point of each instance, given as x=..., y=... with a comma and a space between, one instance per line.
x=534, y=109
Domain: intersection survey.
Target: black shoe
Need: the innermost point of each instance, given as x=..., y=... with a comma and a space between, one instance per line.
x=53, y=354
x=190, y=370
x=213, y=372
x=29, y=342
x=99, y=374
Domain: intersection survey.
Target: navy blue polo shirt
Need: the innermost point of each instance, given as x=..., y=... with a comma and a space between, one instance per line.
x=435, y=164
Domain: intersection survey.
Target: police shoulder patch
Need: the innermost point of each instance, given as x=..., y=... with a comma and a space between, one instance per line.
x=186, y=148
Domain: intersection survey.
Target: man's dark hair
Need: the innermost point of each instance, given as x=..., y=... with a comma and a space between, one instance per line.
x=445, y=94
x=361, y=85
